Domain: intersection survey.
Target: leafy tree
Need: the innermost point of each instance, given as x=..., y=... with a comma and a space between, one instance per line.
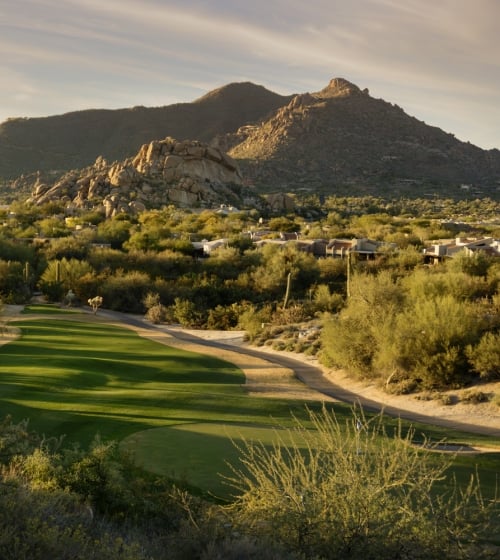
x=63, y=275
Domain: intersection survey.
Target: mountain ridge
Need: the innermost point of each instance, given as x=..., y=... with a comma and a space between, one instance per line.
x=339, y=137
x=342, y=136
x=76, y=139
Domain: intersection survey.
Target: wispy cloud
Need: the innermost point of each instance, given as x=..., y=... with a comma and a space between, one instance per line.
x=160, y=51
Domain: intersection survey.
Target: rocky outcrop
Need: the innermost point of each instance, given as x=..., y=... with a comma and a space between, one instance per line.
x=187, y=173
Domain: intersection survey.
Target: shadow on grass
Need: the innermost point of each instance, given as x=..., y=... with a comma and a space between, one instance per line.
x=79, y=379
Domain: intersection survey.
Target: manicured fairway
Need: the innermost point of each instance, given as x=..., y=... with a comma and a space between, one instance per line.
x=80, y=378
x=77, y=376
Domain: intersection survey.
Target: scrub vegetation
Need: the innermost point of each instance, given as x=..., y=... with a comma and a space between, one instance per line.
x=301, y=482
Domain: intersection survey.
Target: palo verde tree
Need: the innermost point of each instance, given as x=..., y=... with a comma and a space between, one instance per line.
x=63, y=275
x=335, y=491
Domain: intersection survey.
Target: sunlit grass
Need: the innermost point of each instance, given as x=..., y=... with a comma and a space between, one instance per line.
x=78, y=377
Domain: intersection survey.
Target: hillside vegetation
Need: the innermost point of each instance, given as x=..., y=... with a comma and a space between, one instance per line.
x=393, y=317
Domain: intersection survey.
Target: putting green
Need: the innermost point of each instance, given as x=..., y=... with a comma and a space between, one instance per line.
x=198, y=453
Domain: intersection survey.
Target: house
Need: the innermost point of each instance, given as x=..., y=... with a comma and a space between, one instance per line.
x=365, y=248
x=204, y=248
x=449, y=249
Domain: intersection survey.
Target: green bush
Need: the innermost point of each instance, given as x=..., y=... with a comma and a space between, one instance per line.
x=474, y=396
x=485, y=356
x=351, y=491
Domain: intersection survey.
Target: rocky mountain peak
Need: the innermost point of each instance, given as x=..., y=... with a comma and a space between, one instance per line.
x=338, y=87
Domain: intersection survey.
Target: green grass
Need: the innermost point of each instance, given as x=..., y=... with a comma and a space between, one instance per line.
x=181, y=452
x=78, y=376
x=79, y=379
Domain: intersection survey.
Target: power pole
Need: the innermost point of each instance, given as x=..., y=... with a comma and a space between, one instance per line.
x=348, y=287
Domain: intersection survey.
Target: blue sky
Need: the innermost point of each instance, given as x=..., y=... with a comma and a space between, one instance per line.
x=437, y=59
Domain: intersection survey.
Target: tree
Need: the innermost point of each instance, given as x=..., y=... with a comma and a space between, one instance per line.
x=95, y=303
x=354, y=491
x=63, y=275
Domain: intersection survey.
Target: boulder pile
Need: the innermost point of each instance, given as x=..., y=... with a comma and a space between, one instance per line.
x=185, y=173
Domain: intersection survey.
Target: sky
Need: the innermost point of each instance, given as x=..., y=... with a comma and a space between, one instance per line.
x=439, y=60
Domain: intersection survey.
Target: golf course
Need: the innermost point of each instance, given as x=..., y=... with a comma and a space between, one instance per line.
x=177, y=413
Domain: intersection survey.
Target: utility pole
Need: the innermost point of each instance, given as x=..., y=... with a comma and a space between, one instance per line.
x=288, y=285
x=348, y=287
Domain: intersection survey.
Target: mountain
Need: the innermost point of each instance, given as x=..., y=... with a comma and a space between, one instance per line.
x=337, y=140
x=77, y=139
x=341, y=136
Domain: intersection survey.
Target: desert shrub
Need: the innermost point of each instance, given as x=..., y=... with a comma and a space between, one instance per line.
x=294, y=314
x=253, y=320
x=186, y=313
x=312, y=349
x=353, y=491
x=348, y=344
x=401, y=387
x=125, y=291
x=155, y=311
x=41, y=525
x=14, y=286
x=474, y=396
x=485, y=356
x=300, y=346
x=324, y=300
x=16, y=439
x=226, y=317
x=65, y=271
x=156, y=314
x=446, y=399
x=427, y=340
x=475, y=264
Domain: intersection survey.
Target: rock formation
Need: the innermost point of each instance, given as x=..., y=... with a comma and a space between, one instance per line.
x=187, y=173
